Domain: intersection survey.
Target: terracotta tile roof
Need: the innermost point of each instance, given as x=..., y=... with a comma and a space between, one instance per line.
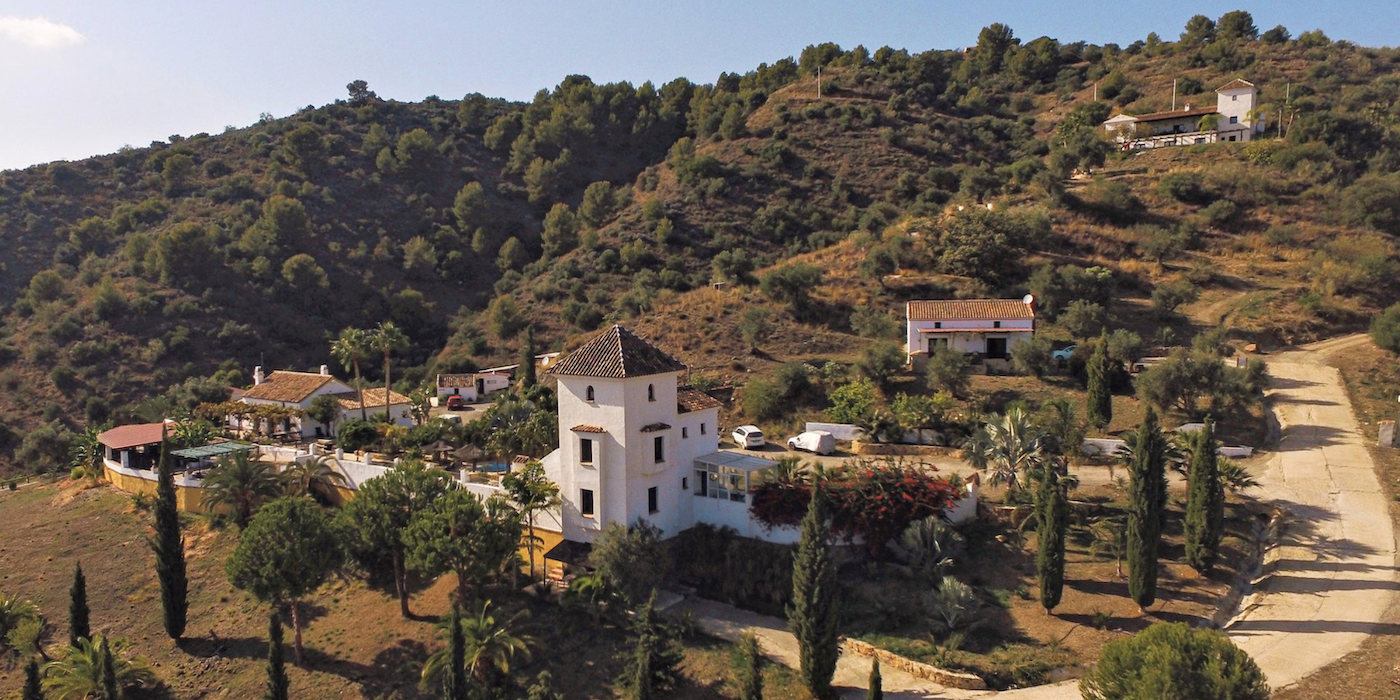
x=688, y=399
x=1179, y=114
x=447, y=380
x=617, y=353
x=1235, y=84
x=288, y=386
x=587, y=429
x=655, y=427
x=373, y=397
x=970, y=310
x=125, y=436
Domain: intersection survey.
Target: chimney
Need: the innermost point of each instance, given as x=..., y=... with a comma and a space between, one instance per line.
x=325, y=370
x=257, y=375
x=1188, y=107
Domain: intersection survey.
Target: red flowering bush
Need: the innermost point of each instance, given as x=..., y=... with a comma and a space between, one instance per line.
x=875, y=502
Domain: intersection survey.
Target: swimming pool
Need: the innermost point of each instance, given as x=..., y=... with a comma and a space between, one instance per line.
x=494, y=467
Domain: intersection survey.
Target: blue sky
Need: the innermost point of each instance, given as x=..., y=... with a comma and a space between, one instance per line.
x=84, y=78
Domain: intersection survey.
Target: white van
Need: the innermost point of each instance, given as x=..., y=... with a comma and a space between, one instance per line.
x=815, y=441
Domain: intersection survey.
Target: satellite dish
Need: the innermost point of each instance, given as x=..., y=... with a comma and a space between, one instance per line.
x=1028, y=299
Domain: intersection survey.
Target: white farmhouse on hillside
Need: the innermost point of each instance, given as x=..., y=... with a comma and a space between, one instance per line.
x=1234, y=110
x=296, y=390
x=472, y=387
x=988, y=328
x=634, y=444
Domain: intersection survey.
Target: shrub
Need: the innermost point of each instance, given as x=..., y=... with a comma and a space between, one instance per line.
x=1083, y=319
x=631, y=559
x=881, y=363
x=763, y=400
x=1168, y=296
x=853, y=402
x=1172, y=660
x=948, y=370
x=869, y=322
x=354, y=434
x=792, y=284
x=1385, y=330
x=1032, y=356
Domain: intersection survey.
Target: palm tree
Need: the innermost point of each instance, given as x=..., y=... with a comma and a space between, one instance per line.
x=352, y=346
x=1110, y=535
x=87, y=452
x=532, y=492
x=241, y=481
x=15, y=611
x=490, y=647
x=1007, y=448
x=77, y=674
x=388, y=339
x=313, y=477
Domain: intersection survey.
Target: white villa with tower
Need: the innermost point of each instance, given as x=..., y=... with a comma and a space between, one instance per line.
x=1236, y=105
x=636, y=444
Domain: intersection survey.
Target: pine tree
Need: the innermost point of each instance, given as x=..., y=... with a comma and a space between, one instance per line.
x=1144, y=510
x=1053, y=506
x=32, y=689
x=750, y=678
x=1100, y=398
x=78, y=627
x=107, y=674
x=1205, y=505
x=813, y=615
x=877, y=689
x=456, y=686
x=276, y=660
x=169, y=548
x=527, y=359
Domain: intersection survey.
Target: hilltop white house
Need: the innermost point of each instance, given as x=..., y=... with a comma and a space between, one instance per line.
x=988, y=328
x=296, y=390
x=472, y=387
x=634, y=443
x=1235, y=107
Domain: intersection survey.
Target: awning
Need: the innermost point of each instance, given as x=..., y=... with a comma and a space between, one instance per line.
x=215, y=450
x=569, y=552
x=984, y=329
x=735, y=460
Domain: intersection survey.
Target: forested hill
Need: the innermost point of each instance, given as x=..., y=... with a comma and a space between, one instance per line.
x=462, y=221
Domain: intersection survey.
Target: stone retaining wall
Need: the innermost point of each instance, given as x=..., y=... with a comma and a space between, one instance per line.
x=861, y=447
x=944, y=677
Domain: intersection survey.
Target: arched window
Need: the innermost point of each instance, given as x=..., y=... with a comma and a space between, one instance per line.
x=589, y=394
x=651, y=392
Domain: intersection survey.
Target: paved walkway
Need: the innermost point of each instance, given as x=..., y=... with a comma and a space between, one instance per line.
x=1336, y=573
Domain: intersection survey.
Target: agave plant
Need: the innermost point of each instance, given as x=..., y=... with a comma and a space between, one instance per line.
x=490, y=647
x=928, y=546
x=241, y=481
x=952, y=604
x=77, y=673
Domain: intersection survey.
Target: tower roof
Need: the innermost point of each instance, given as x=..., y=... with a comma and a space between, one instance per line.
x=617, y=353
x=1235, y=84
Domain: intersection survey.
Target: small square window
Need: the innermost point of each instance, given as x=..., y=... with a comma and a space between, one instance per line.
x=937, y=324
x=652, y=505
x=1234, y=98
x=585, y=502
x=1234, y=120
x=996, y=324
x=702, y=428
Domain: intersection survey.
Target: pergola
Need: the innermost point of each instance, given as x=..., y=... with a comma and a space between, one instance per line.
x=201, y=456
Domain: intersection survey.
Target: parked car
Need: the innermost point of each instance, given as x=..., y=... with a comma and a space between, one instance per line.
x=1063, y=354
x=451, y=418
x=748, y=437
x=815, y=441
x=455, y=402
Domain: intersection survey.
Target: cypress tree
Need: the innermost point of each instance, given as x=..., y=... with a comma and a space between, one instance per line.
x=656, y=654
x=877, y=690
x=169, y=548
x=32, y=689
x=527, y=359
x=813, y=615
x=1053, y=506
x=78, y=627
x=1205, y=505
x=456, y=684
x=276, y=660
x=111, y=689
x=1100, y=396
x=1146, y=473
x=750, y=668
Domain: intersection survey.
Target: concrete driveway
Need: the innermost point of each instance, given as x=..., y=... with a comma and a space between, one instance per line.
x=1335, y=577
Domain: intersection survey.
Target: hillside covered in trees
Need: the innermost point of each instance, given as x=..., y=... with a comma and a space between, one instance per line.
x=129, y=279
